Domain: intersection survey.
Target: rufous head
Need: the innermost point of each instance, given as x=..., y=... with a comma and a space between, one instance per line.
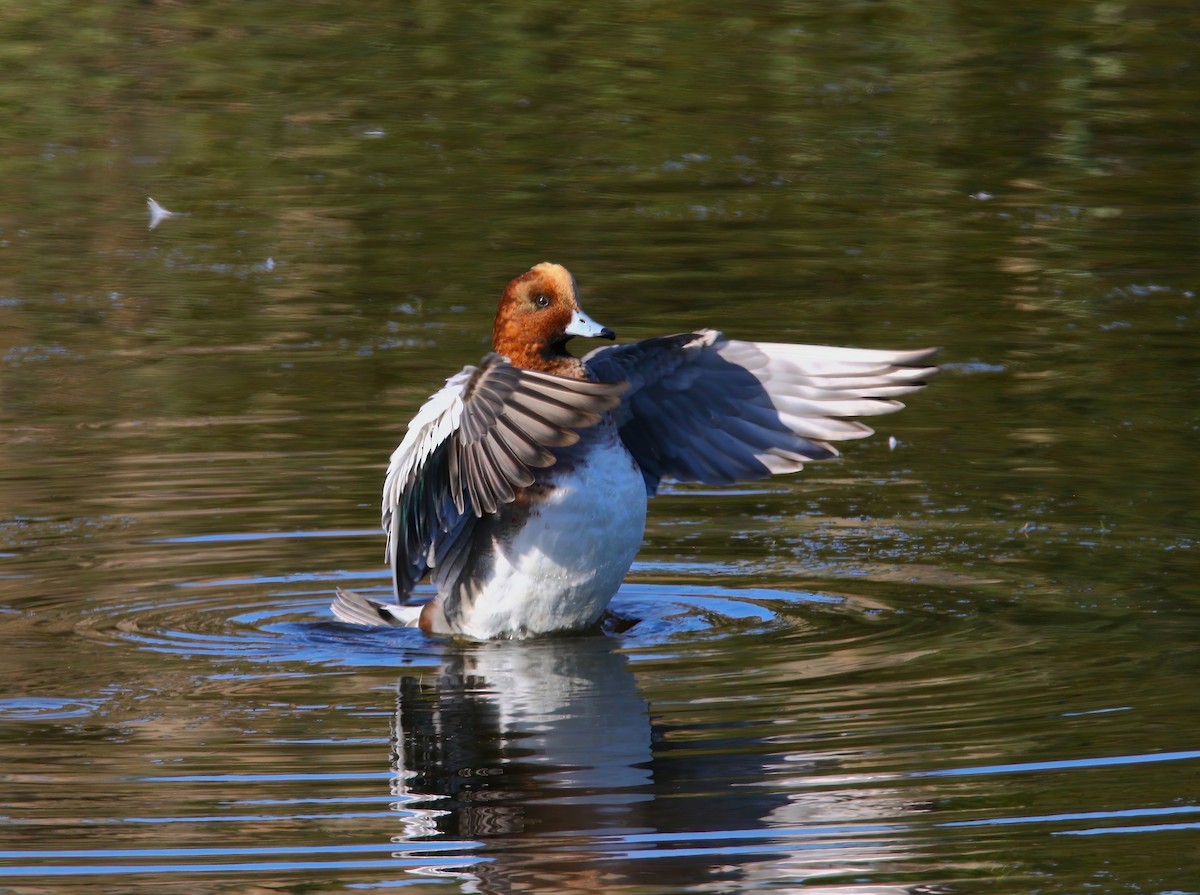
x=539, y=312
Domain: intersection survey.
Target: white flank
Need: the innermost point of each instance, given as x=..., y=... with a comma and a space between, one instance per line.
x=563, y=567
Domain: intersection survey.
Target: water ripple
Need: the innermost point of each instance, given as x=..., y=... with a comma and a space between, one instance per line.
x=248, y=618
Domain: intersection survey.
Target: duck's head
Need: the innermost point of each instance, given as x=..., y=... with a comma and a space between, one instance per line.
x=539, y=312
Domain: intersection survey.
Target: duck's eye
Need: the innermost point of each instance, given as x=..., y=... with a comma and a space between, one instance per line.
x=542, y=300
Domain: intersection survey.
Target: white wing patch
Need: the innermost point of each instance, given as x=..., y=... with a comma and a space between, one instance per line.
x=434, y=423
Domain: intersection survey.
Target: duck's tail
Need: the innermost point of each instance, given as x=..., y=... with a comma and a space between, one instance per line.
x=356, y=610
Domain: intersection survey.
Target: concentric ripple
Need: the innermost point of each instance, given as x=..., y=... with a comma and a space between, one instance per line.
x=296, y=625
x=281, y=626
x=264, y=620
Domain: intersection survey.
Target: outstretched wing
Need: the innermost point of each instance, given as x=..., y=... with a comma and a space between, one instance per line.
x=704, y=408
x=468, y=450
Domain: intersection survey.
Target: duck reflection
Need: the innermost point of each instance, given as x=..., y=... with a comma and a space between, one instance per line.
x=515, y=737
x=541, y=760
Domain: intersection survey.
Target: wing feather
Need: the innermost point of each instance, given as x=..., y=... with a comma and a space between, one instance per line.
x=701, y=407
x=536, y=426
x=468, y=451
x=522, y=444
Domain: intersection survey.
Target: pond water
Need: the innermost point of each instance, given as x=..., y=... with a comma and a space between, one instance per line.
x=961, y=658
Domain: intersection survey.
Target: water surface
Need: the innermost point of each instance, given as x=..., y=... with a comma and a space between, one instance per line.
x=962, y=661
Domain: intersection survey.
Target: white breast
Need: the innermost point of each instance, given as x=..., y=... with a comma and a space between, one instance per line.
x=567, y=561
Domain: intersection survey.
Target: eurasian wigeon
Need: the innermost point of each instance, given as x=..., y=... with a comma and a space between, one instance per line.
x=521, y=486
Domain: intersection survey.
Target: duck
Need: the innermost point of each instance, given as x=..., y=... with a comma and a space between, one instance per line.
x=520, y=488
